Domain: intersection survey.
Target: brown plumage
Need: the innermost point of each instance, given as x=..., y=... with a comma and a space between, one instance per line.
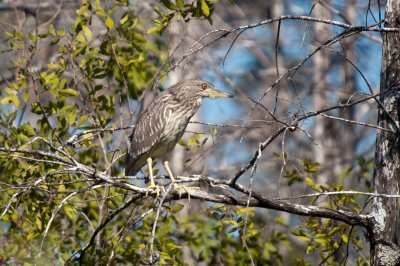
x=163, y=122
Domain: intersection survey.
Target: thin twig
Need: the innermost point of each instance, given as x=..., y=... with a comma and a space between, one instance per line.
x=53, y=215
x=153, y=230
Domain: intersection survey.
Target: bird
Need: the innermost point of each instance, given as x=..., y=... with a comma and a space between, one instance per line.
x=161, y=125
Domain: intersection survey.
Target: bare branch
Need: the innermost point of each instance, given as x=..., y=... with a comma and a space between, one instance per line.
x=225, y=32
x=256, y=155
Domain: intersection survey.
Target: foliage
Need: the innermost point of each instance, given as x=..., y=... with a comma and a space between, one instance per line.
x=108, y=56
x=326, y=236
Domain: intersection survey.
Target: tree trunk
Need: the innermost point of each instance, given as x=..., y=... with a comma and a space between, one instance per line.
x=385, y=211
x=325, y=152
x=347, y=148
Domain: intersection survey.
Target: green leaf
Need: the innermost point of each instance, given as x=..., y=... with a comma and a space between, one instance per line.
x=309, y=249
x=124, y=19
x=333, y=231
x=87, y=32
x=309, y=181
x=251, y=233
x=204, y=8
x=71, y=116
x=52, y=30
x=109, y=22
x=100, y=11
x=168, y=4
x=266, y=254
x=82, y=11
x=249, y=211
x=82, y=120
x=180, y=4
x=154, y=29
x=39, y=224
x=69, y=92
x=69, y=211
x=61, y=188
x=26, y=97
x=11, y=99
x=176, y=208
x=271, y=247
x=61, y=32
x=345, y=238
x=27, y=129
x=23, y=138
x=53, y=66
x=31, y=235
x=230, y=222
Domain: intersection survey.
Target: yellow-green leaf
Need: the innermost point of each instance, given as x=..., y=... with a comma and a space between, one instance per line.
x=31, y=236
x=69, y=211
x=52, y=30
x=71, y=116
x=309, y=181
x=345, y=238
x=87, y=32
x=230, y=222
x=251, y=233
x=123, y=19
x=180, y=4
x=69, y=92
x=154, y=29
x=309, y=249
x=176, y=208
x=39, y=223
x=204, y=8
x=109, y=22
x=82, y=11
x=271, y=247
x=27, y=129
x=26, y=96
x=11, y=99
x=82, y=120
x=304, y=238
x=248, y=211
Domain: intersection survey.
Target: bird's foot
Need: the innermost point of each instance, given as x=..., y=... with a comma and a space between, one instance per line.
x=177, y=187
x=180, y=188
x=153, y=185
x=155, y=188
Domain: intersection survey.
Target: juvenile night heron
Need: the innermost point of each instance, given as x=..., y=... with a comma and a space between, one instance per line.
x=163, y=122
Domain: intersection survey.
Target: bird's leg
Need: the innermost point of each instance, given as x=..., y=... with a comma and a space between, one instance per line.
x=176, y=186
x=152, y=184
x=150, y=166
x=171, y=176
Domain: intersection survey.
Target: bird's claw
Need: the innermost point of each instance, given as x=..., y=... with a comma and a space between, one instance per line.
x=179, y=188
x=156, y=189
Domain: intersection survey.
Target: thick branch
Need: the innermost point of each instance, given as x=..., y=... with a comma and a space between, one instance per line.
x=268, y=203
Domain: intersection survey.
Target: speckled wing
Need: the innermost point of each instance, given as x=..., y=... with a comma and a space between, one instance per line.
x=146, y=134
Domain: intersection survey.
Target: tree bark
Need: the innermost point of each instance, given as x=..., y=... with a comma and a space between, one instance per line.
x=384, y=237
x=325, y=153
x=347, y=148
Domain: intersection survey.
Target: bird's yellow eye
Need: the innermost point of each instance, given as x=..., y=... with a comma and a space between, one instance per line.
x=204, y=86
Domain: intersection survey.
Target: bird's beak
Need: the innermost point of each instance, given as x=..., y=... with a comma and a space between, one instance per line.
x=213, y=93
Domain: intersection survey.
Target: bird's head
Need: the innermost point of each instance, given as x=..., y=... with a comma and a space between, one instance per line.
x=201, y=88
